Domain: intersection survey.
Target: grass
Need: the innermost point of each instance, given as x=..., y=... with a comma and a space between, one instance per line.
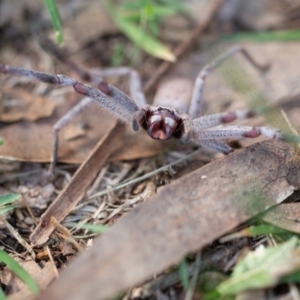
x=138, y=20
x=19, y=271
x=6, y=206
x=55, y=19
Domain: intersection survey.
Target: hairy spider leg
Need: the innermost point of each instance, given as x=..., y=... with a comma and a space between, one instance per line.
x=60, y=124
x=221, y=118
x=196, y=102
x=216, y=145
x=213, y=120
x=135, y=84
x=210, y=137
x=96, y=76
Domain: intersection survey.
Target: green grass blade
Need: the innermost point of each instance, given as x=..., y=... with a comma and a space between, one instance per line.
x=2, y=295
x=95, y=228
x=267, y=36
x=19, y=271
x=7, y=208
x=266, y=229
x=55, y=19
x=1, y=141
x=262, y=269
x=9, y=198
x=139, y=36
x=184, y=274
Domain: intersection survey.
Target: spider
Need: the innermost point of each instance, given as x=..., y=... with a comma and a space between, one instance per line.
x=160, y=122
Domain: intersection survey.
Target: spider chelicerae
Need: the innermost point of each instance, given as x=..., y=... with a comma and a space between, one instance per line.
x=160, y=122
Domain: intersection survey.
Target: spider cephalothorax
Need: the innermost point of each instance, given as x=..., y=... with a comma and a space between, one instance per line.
x=162, y=123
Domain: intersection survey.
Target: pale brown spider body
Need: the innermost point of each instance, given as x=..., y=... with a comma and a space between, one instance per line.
x=160, y=122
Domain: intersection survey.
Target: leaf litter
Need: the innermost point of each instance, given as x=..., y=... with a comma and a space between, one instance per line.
x=217, y=217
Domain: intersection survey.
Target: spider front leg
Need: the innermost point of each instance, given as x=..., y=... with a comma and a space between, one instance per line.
x=191, y=127
x=111, y=100
x=220, y=119
x=210, y=137
x=196, y=102
x=188, y=128
x=238, y=132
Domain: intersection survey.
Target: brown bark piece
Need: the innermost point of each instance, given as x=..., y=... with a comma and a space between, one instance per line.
x=75, y=190
x=183, y=217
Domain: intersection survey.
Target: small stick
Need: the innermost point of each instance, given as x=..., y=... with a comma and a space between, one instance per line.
x=17, y=236
x=75, y=190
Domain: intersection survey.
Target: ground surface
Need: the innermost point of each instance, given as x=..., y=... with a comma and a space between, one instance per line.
x=178, y=189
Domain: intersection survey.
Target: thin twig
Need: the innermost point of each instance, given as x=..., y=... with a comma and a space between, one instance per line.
x=28, y=208
x=17, y=236
x=46, y=248
x=141, y=178
x=192, y=286
x=66, y=234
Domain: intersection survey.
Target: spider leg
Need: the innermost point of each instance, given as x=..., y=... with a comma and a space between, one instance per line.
x=60, y=124
x=111, y=99
x=188, y=128
x=135, y=84
x=196, y=102
x=215, y=145
x=236, y=132
x=220, y=118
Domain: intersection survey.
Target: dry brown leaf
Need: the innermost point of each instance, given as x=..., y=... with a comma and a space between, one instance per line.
x=182, y=218
x=31, y=107
x=31, y=141
x=43, y=276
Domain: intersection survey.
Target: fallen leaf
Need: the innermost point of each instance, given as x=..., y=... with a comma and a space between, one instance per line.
x=32, y=141
x=30, y=107
x=182, y=218
x=43, y=276
x=263, y=268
